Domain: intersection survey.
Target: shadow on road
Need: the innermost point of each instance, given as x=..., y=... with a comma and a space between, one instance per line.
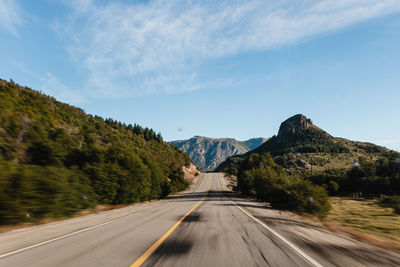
x=211, y=196
x=174, y=247
x=192, y=218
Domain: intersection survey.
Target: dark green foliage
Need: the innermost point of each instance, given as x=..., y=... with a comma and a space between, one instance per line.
x=332, y=187
x=32, y=192
x=371, y=148
x=308, y=141
x=332, y=180
x=302, y=196
x=391, y=202
x=261, y=177
x=371, y=178
x=56, y=160
x=231, y=171
x=231, y=162
x=260, y=173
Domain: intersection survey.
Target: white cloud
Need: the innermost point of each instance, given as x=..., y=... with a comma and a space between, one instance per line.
x=10, y=16
x=53, y=87
x=158, y=45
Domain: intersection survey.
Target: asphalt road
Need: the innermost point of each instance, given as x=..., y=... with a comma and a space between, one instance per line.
x=205, y=226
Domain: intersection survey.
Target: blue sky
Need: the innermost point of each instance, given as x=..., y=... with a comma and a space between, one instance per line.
x=214, y=68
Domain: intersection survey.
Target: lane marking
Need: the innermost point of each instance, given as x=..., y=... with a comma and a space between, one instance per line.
x=154, y=247
x=64, y=236
x=284, y=240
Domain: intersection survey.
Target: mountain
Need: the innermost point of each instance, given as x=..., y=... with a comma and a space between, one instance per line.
x=253, y=143
x=302, y=146
x=55, y=159
x=207, y=153
x=299, y=135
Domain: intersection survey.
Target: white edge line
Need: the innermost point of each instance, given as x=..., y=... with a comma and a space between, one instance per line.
x=63, y=236
x=290, y=244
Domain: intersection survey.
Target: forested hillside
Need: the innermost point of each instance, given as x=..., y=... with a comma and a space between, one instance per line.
x=55, y=159
x=300, y=146
x=299, y=167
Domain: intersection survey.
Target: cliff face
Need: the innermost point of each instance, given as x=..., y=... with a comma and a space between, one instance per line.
x=207, y=153
x=295, y=125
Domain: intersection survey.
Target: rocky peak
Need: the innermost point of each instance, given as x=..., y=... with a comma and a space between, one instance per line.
x=294, y=125
x=207, y=153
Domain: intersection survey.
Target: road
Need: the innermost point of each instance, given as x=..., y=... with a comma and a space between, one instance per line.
x=207, y=225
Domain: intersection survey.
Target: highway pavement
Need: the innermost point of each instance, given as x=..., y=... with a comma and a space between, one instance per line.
x=208, y=225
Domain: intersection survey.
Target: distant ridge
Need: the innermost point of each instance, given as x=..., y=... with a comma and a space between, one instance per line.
x=207, y=153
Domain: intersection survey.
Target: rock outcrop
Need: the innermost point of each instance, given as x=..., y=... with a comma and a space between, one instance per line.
x=207, y=153
x=295, y=125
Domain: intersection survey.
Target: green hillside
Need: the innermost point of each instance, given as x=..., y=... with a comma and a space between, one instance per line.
x=298, y=168
x=300, y=146
x=55, y=159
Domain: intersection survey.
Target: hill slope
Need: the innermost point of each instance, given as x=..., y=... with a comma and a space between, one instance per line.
x=300, y=146
x=299, y=135
x=55, y=159
x=207, y=153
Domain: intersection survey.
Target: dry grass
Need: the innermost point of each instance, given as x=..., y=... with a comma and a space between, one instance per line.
x=326, y=161
x=366, y=220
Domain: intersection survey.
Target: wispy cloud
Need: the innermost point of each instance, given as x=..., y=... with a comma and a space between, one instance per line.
x=10, y=16
x=52, y=86
x=158, y=45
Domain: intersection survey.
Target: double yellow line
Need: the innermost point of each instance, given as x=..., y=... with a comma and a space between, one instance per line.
x=153, y=248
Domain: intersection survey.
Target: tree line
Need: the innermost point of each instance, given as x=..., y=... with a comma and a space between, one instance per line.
x=56, y=160
x=369, y=177
x=260, y=177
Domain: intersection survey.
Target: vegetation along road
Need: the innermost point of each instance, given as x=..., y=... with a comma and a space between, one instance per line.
x=207, y=225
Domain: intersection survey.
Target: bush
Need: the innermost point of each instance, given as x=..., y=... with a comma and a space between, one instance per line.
x=332, y=187
x=258, y=173
x=230, y=172
x=29, y=193
x=310, y=198
x=261, y=177
x=391, y=202
x=302, y=197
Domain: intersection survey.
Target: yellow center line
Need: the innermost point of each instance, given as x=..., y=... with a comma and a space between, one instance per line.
x=153, y=248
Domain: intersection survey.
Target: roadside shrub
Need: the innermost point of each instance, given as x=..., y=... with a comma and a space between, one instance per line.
x=230, y=172
x=302, y=197
x=311, y=198
x=30, y=193
x=391, y=202
x=332, y=187
x=259, y=176
x=282, y=198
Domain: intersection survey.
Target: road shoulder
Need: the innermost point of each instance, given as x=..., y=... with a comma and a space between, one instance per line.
x=325, y=246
